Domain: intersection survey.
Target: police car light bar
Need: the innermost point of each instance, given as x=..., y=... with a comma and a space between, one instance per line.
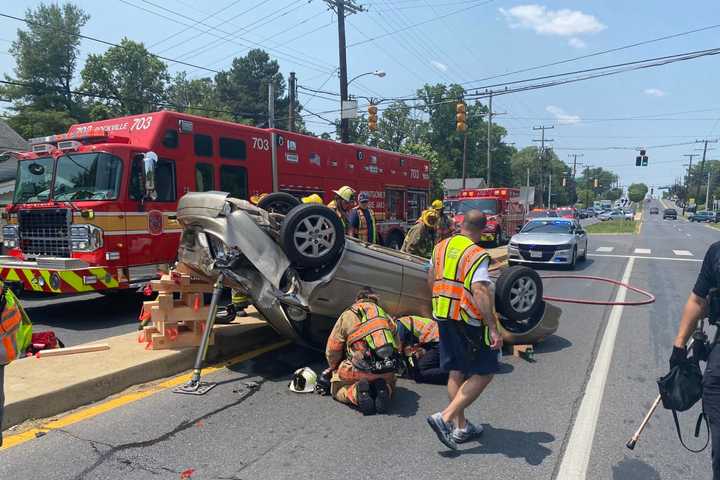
x=68, y=136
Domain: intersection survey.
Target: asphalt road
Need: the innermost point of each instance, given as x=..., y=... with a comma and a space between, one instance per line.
x=251, y=426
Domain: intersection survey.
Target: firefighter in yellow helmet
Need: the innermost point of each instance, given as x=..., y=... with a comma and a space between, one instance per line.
x=314, y=198
x=362, y=354
x=362, y=220
x=342, y=203
x=420, y=239
x=445, y=225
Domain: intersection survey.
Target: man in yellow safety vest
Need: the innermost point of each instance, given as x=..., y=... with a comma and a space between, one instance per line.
x=464, y=307
x=12, y=343
x=361, y=220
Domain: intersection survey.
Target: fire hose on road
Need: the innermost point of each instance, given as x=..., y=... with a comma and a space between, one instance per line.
x=650, y=298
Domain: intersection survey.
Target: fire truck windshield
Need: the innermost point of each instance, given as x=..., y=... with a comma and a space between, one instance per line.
x=486, y=205
x=80, y=176
x=33, y=180
x=87, y=176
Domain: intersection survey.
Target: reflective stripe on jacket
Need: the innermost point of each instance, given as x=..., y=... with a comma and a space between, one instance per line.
x=340, y=213
x=374, y=328
x=422, y=328
x=9, y=326
x=455, y=261
x=363, y=231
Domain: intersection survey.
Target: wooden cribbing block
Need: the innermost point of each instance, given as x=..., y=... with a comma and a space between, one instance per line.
x=184, y=339
x=56, y=352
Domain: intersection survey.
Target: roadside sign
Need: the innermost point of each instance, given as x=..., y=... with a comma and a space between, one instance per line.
x=349, y=109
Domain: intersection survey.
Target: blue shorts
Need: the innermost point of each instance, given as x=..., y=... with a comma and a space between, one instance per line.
x=456, y=353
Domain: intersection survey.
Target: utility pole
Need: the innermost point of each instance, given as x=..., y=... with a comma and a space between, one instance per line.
x=464, y=161
x=550, y=190
x=291, y=99
x=340, y=7
x=702, y=165
x=687, y=180
x=542, y=141
x=273, y=136
x=574, y=172
x=707, y=193
x=271, y=105
x=489, y=125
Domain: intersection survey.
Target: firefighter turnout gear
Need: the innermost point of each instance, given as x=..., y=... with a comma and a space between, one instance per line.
x=11, y=321
x=455, y=260
x=419, y=340
x=366, y=231
x=303, y=380
x=437, y=204
x=345, y=192
x=361, y=350
x=420, y=330
x=420, y=240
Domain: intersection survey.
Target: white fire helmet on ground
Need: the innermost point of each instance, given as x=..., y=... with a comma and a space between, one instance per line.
x=303, y=380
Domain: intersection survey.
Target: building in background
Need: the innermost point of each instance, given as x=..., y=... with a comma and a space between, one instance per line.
x=10, y=141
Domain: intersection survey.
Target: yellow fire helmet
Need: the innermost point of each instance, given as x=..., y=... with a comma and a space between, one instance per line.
x=314, y=198
x=437, y=204
x=255, y=199
x=345, y=192
x=430, y=218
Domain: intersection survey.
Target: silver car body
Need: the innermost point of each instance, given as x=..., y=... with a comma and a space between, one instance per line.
x=549, y=248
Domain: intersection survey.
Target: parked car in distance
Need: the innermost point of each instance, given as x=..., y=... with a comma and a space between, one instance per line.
x=614, y=215
x=670, y=213
x=654, y=210
x=540, y=213
x=566, y=212
x=704, y=216
x=629, y=214
x=557, y=241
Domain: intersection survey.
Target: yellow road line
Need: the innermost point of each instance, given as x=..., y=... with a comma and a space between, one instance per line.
x=125, y=399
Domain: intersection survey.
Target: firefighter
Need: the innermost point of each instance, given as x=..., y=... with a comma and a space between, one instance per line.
x=419, y=343
x=11, y=343
x=362, y=355
x=361, y=220
x=240, y=301
x=342, y=203
x=445, y=225
x=420, y=239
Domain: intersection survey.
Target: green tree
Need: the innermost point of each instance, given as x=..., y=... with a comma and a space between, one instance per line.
x=197, y=96
x=46, y=57
x=438, y=169
x=637, y=192
x=243, y=89
x=396, y=127
x=613, y=194
x=542, y=165
x=125, y=79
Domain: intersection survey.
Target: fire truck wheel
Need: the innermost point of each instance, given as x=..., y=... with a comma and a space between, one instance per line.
x=518, y=293
x=278, y=202
x=312, y=235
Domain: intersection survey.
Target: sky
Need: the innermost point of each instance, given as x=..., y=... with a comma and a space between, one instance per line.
x=663, y=109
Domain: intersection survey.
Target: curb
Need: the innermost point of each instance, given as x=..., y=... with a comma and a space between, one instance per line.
x=228, y=342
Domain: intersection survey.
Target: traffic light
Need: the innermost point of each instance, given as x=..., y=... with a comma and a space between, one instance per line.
x=638, y=161
x=372, y=118
x=460, y=118
x=642, y=159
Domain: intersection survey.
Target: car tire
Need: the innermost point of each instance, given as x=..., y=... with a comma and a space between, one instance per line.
x=518, y=293
x=584, y=255
x=312, y=236
x=571, y=265
x=278, y=202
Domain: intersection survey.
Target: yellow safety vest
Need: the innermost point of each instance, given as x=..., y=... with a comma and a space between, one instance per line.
x=373, y=327
x=363, y=231
x=10, y=322
x=455, y=260
x=422, y=328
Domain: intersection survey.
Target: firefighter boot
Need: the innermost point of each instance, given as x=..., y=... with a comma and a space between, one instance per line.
x=365, y=402
x=382, y=395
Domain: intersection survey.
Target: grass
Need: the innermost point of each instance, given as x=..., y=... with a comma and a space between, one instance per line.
x=613, y=226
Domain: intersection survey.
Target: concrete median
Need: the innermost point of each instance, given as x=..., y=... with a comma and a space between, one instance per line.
x=39, y=388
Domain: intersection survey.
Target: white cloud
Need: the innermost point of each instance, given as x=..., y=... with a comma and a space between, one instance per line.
x=576, y=43
x=563, y=22
x=440, y=66
x=562, y=116
x=654, y=92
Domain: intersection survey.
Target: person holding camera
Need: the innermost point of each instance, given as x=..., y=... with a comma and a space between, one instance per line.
x=695, y=309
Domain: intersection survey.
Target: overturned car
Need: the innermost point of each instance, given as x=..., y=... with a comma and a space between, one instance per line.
x=302, y=272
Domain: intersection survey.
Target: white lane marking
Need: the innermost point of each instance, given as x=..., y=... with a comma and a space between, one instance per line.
x=644, y=257
x=605, y=249
x=644, y=251
x=683, y=253
x=577, y=454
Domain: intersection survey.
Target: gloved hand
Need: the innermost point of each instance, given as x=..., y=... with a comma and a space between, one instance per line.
x=323, y=382
x=678, y=356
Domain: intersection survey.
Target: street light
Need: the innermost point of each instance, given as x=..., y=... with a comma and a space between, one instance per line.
x=377, y=73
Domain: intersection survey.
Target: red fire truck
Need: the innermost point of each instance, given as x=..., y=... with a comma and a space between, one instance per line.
x=504, y=210
x=94, y=209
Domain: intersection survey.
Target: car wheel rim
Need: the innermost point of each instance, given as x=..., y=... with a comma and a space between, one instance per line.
x=314, y=236
x=523, y=294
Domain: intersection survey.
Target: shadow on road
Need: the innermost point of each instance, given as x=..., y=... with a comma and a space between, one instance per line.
x=511, y=443
x=87, y=314
x=634, y=469
x=552, y=344
x=405, y=402
x=548, y=267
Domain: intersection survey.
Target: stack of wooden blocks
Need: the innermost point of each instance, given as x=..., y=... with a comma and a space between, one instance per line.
x=176, y=322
